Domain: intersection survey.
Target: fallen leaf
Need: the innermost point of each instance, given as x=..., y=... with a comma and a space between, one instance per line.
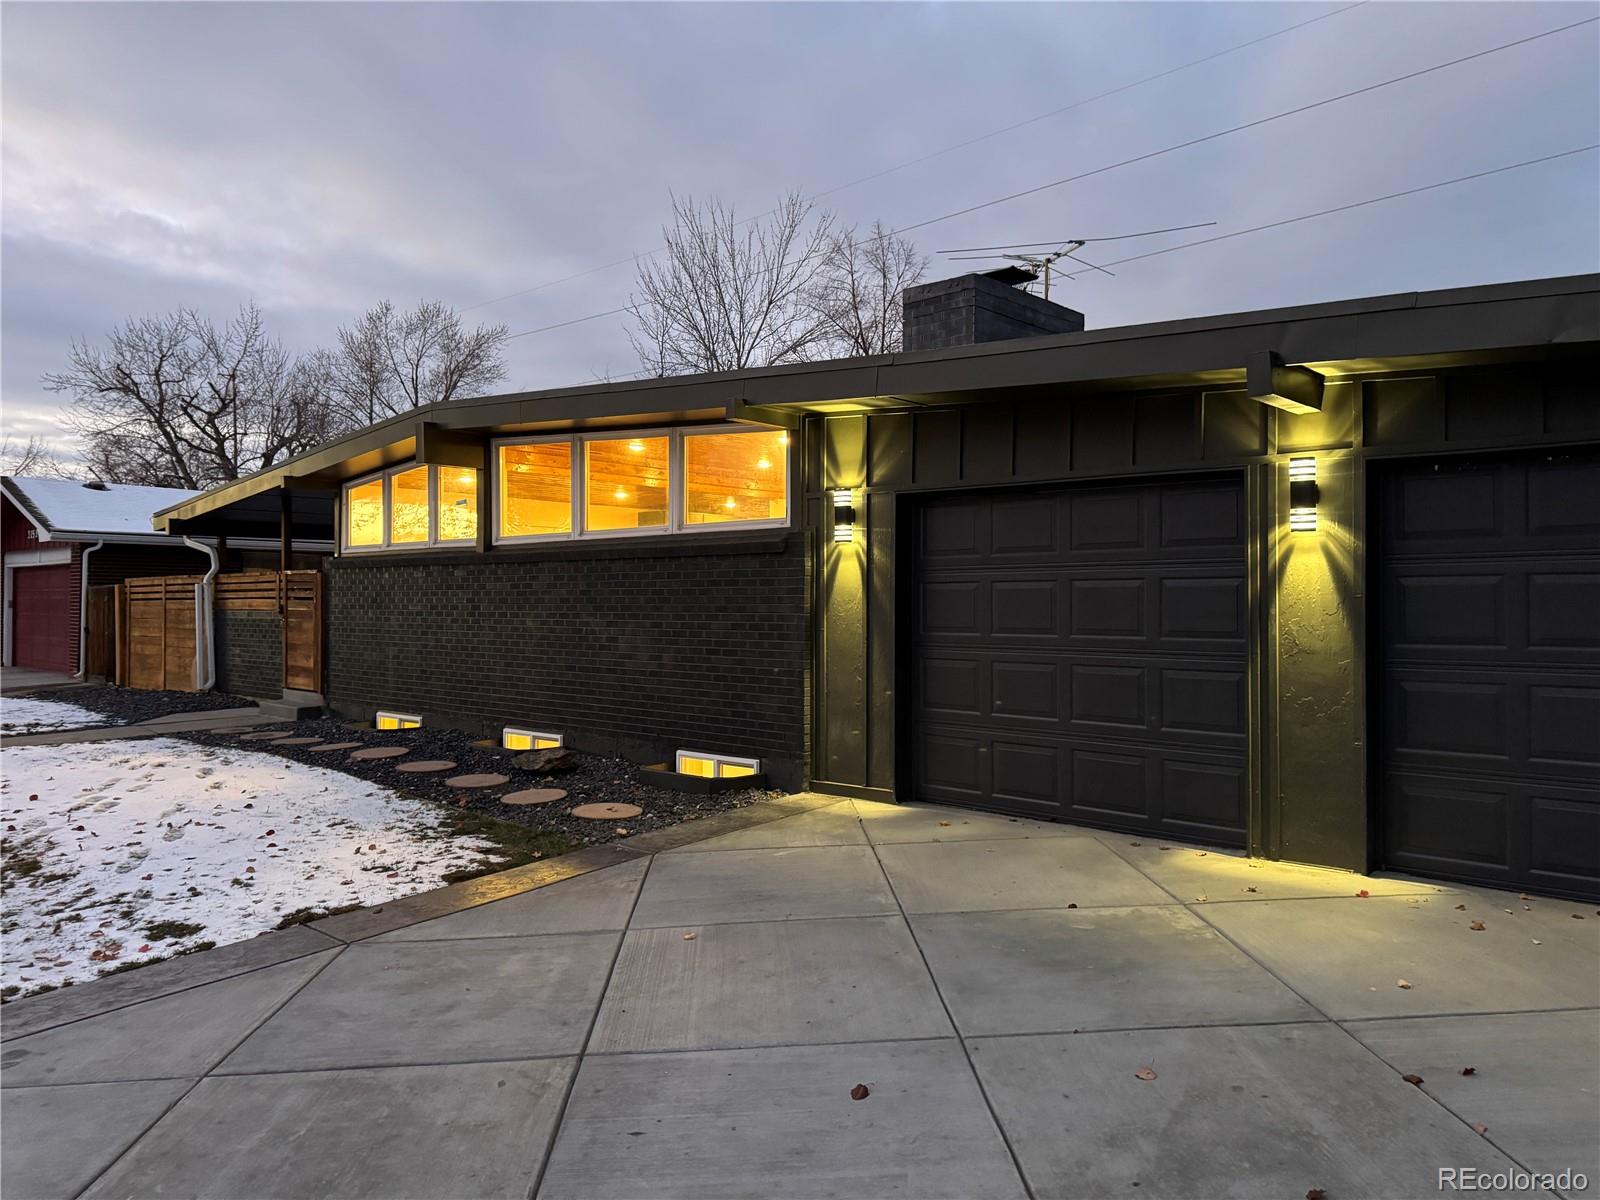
x=249, y=870
x=860, y=1092
x=33, y=797
x=1315, y=1194
x=1537, y=942
x=372, y=845
x=147, y=877
x=944, y=823
x=690, y=936
x=1479, y=1128
x=1363, y=893
x=1524, y=896
x=1478, y=926
x=1201, y=853
x=269, y=833
x=1469, y=1070
x=144, y=949
x=1461, y=908
x=1413, y=1080
x=1252, y=889
x=1401, y=983
x=1200, y=900
x=1072, y=906
x=1145, y=1073
x=1577, y=916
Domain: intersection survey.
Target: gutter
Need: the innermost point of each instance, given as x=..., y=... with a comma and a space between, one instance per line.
x=83, y=609
x=205, y=654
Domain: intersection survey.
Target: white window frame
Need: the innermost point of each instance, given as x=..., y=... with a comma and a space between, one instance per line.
x=677, y=483
x=386, y=546
x=533, y=735
x=717, y=761
x=401, y=717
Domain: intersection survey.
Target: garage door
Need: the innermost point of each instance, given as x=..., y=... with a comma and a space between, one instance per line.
x=41, y=618
x=1079, y=654
x=1489, y=696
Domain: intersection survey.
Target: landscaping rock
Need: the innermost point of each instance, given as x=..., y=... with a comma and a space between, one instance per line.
x=555, y=761
x=486, y=780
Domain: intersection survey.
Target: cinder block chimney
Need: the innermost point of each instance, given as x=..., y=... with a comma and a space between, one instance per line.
x=976, y=308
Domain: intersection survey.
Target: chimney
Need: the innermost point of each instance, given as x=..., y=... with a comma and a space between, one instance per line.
x=987, y=307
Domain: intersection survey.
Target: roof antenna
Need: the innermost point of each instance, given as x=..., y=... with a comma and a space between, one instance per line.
x=1038, y=257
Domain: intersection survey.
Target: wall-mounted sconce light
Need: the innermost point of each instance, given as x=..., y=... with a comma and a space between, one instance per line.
x=1303, y=495
x=844, y=515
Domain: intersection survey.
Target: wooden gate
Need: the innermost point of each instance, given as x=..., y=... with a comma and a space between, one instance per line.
x=100, y=655
x=159, y=623
x=302, y=631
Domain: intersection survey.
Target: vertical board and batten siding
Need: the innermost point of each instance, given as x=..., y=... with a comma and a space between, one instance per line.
x=1306, y=674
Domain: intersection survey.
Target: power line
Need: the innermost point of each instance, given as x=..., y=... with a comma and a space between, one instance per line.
x=1121, y=237
x=1211, y=137
x=950, y=149
x=1427, y=187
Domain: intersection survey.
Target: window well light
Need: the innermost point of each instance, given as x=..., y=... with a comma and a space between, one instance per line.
x=513, y=738
x=715, y=766
x=1303, y=495
x=844, y=515
x=396, y=720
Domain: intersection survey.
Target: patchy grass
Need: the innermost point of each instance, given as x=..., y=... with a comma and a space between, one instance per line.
x=304, y=916
x=171, y=931
x=134, y=964
x=515, y=845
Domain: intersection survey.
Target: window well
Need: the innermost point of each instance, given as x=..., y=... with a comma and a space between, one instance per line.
x=529, y=739
x=396, y=720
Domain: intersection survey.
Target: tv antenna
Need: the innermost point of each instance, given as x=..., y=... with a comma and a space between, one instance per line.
x=1041, y=256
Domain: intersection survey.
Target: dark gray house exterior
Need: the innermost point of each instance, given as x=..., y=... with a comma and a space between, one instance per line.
x=1320, y=582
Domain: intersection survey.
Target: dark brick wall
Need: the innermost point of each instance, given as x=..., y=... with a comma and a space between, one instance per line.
x=971, y=309
x=633, y=649
x=249, y=653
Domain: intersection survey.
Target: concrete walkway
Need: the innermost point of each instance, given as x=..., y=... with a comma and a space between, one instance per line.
x=1031, y=1010
x=170, y=723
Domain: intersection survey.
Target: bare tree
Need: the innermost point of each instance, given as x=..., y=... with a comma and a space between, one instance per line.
x=34, y=457
x=390, y=361
x=859, y=290
x=720, y=298
x=179, y=401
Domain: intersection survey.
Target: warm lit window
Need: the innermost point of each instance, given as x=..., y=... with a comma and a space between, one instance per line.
x=363, y=514
x=625, y=483
x=535, y=489
x=735, y=477
x=529, y=739
x=394, y=720
x=715, y=766
x=408, y=507
x=458, y=504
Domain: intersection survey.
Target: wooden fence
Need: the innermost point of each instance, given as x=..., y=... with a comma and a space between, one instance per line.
x=159, y=627
x=100, y=655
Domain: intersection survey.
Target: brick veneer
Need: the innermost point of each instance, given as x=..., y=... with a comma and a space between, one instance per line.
x=249, y=653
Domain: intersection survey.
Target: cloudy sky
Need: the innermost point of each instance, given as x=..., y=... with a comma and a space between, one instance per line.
x=319, y=157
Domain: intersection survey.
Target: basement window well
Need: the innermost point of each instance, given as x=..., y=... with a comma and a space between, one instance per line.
x=529, y=739
x=715, y=766
x=395, y=720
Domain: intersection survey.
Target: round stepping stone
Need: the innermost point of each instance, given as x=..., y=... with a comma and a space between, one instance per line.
x=299, y=741
x=427, y=764
x=381, y=752
x=476, y=781
x=335, y=746
x=606, y=812
x=534, y=796
x=270, y=736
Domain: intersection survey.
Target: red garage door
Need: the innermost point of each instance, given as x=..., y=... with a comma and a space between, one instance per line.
x=41, y=618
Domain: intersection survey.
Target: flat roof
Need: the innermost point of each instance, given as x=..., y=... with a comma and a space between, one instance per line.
x=1454, y=326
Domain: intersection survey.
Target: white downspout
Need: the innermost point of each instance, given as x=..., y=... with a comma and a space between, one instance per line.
x=205, y=655
x=83, y=609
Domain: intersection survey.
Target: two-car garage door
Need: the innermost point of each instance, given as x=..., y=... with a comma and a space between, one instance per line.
x=1080, y=655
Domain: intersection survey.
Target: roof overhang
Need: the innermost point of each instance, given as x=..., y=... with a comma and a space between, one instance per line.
x=1522, y=321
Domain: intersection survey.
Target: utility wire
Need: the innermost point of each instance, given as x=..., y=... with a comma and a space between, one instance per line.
x=1121, y=237
x=1256, y=124
x=950, y=149
x=1210, y=137
x=1326, y=212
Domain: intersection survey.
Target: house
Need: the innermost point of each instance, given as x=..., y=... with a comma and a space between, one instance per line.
x=1320, y=582
x=59, y=538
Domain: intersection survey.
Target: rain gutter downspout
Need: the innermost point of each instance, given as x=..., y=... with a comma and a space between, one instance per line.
x=205, y=655
x=83, y=608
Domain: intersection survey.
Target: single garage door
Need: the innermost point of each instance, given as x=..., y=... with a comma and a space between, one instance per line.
x=1079, y=655
x=1489, y=689
x=42, y=617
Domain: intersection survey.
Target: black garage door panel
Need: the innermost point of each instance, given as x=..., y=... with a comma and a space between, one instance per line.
x=1080, y=655
x=1489, y=700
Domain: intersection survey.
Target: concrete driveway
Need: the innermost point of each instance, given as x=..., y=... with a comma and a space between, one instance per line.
x=1031, y=1009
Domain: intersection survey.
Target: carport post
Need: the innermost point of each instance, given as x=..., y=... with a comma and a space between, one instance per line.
x=285, y=527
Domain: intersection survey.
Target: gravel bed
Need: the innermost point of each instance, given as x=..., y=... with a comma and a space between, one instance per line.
x=598, y=779
x=129, y=706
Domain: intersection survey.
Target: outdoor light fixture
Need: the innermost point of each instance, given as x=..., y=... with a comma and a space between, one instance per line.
x=1303, y=495
x=844, y=516
x=513, y=738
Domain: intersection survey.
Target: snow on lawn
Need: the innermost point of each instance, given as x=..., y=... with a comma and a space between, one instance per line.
x=105, y=840
x=19, y=715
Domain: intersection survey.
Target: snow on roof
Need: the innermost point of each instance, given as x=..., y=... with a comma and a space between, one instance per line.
x=68, y=505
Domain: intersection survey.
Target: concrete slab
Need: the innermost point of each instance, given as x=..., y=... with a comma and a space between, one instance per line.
x=478, y=1130
x=1190, y=872
x=888, y=823
x=835, y=826
x=780, y=1122
x=763, y=885
x=23, y=1017
x=1536, y=1079
x=386, y=1004
x=1269, y=1110
x=768, y=983
x=699, y=829
x=598, y=900
x=55, y=1140
x=1347, y=956
x=1037, y=873
x=1060, y=970
x=177, y=1036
